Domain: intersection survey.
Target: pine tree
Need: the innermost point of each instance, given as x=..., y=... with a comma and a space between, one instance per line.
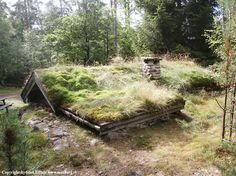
x=176, y=25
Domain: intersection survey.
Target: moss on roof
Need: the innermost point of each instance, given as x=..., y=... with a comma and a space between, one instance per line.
x=107, y=93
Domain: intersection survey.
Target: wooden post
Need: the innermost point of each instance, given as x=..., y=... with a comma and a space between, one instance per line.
x=224, y=114
x=232, y=110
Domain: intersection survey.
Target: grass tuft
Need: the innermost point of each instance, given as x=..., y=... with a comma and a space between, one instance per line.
x=186, y=75
x=38, y=140
x=143, y=142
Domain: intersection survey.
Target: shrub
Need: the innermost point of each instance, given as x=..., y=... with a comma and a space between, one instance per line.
x=14, y=143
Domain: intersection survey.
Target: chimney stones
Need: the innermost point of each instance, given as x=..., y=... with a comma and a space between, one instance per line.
x=152, y=67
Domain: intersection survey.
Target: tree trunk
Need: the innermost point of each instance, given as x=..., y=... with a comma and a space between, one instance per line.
x=127, y=13
x=115, y=29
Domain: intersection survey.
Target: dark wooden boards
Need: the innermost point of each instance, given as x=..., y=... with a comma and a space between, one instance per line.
x=79, y=119
x=3, y=99
x=35, y=81
x=5, y=106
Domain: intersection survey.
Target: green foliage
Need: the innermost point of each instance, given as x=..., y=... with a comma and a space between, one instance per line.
x=170, y=24
x=36, y=53
x=222, y=38
x=9, y=49
x=127, y=43
x=14, y=143
x=79, y=40
x=20, y=51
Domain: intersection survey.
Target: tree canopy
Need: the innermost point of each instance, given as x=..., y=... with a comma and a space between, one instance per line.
x=92, y=32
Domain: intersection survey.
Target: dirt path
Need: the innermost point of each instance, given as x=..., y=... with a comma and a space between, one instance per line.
x=12, y=96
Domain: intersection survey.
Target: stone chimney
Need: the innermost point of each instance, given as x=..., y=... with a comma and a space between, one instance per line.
x=152, y=67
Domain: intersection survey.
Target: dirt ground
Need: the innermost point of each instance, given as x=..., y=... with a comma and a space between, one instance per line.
x=164, y=148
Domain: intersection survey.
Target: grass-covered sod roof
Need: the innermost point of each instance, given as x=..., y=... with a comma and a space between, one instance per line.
x=108, y=93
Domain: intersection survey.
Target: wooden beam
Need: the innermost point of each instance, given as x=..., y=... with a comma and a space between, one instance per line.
x=107, y=127
x=184, y=116
x=78, y=119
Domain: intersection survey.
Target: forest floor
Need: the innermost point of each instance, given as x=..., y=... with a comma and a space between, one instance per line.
x=173, y=147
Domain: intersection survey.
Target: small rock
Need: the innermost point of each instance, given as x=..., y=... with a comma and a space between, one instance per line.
x=94, y=142
x=54, y=138
x=142, y=126
x=115, y=135
x=46, y=129
x=57, y=133
x=135, y=173
x=56, y=121
x=73, y=155
x=60, y=166
x=41, y=125
x=52, y=115
x=32, y=123
x=61, y=144
x=50, y=124
x=65, y=133
x=35, y=128
x=46, y=121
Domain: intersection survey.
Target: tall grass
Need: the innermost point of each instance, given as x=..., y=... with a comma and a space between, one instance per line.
x=187, y=75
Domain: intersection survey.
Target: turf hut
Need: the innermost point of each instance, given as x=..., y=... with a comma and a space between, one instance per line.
x=33, y=92
x=105, y=98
